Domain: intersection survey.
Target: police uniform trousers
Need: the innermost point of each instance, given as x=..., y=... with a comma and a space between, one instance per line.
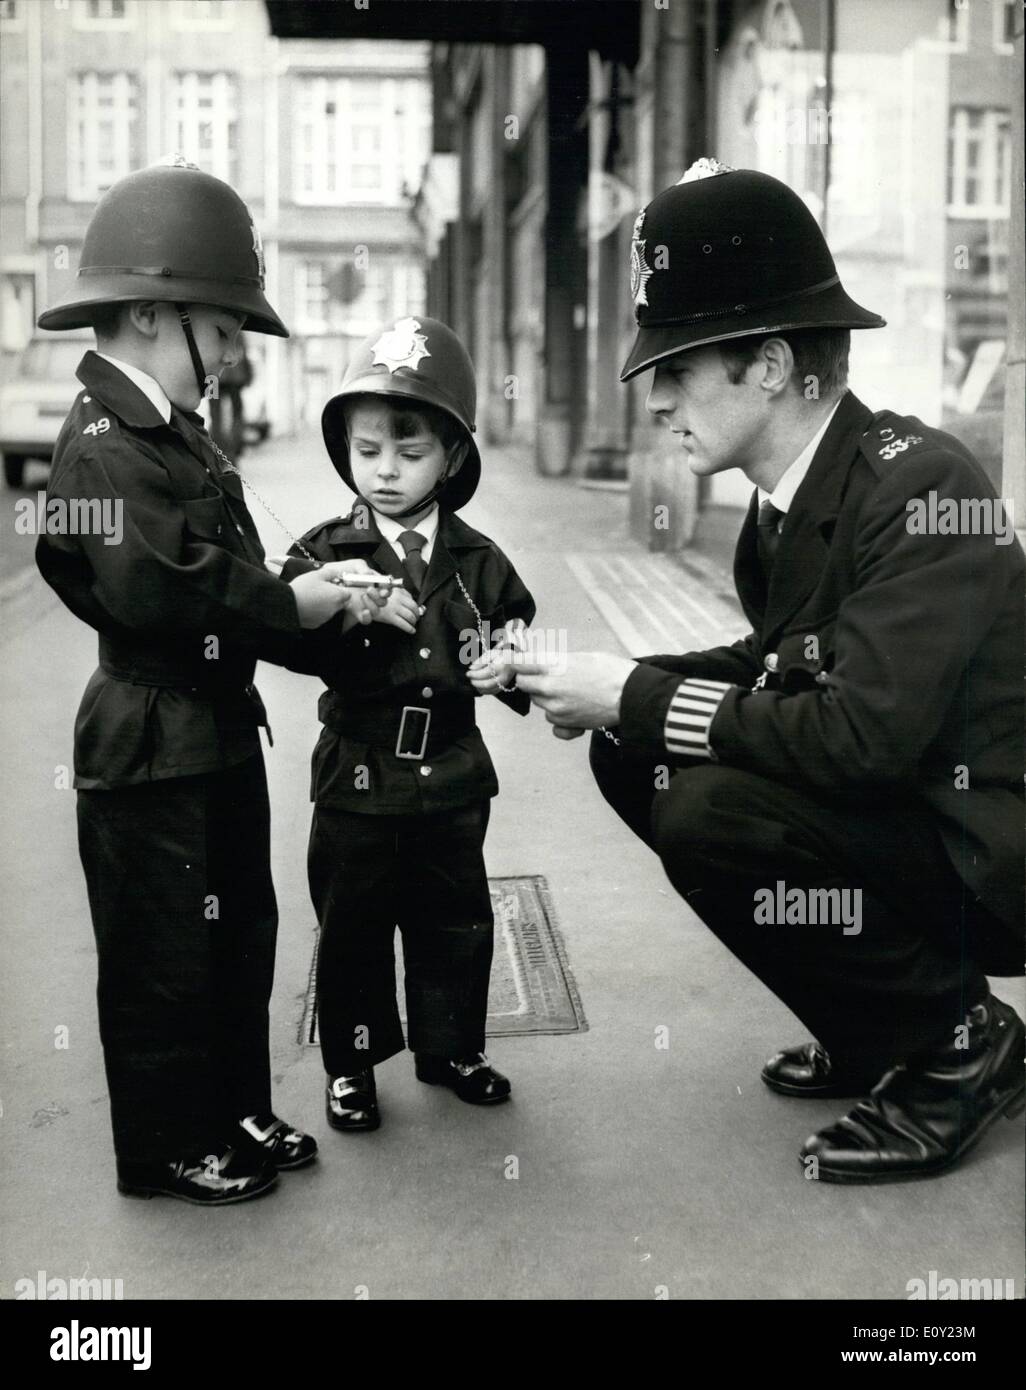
x=896, y=988
x=426, y=875
x=184, y=912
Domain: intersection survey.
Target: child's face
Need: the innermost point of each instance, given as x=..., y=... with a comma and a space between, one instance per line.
x=393, y=474
x=217, y=340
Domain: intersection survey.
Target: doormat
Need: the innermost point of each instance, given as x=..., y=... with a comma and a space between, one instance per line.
x=532, y=988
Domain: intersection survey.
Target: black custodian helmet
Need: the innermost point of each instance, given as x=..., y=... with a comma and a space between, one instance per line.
x=412, y=359
x=172, y=233
x=726, y=253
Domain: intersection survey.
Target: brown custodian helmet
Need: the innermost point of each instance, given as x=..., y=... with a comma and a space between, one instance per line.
x=413, y=359
x=170, y=233
x=726, y=253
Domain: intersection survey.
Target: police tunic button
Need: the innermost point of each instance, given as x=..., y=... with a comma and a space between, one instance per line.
x=771, y=661
x=425, y=772
x=425, y=652
x=218, y=528
x=366, y=641
x=238, y=528
x=427, y=692
x=86, y=400
x=822, y=677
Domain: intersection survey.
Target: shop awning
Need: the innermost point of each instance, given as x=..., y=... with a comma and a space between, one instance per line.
x=610, y=27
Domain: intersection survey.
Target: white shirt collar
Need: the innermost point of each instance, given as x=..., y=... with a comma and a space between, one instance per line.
x=150, y=388
x=391, y=529
x=783, y=494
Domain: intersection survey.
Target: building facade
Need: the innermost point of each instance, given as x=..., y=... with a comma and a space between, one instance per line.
x=326, y=142
x=894, y=121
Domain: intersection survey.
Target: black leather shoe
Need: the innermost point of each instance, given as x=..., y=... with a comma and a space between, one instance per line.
x=278, y=1142
x=921, y=1118
x=472, y=1078
x=213, y=1180
x=352, y=1102
x=808, y=1071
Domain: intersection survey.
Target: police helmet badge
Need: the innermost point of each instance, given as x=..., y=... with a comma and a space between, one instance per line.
x=641, y=272
x=400, y=346
x=258, y=251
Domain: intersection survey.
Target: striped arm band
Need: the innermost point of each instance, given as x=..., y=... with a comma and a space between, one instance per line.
x=691, y=712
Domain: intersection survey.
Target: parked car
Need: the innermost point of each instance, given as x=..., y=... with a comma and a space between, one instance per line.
x=35, y=401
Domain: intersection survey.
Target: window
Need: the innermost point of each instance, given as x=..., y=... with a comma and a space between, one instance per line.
x=339, y=153
x=103, y=14
x=333, y=297
x=952, y=31
x=12, y=14
x=202, y=14
x=1006, y=12
x=979, y=162
x=102, y=109
x=204, y=117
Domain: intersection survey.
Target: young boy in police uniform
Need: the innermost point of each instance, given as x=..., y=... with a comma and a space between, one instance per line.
x=401, y=776
x=172, y=799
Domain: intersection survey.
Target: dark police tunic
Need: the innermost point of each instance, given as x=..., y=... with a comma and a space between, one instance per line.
x=399, y=839
x=867, y=733
x=173, y=814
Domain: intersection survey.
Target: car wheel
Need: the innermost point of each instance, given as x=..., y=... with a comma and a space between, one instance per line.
x=14, y=469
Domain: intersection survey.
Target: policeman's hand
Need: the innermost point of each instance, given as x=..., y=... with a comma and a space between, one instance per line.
x=400, y=609
x=579, y=691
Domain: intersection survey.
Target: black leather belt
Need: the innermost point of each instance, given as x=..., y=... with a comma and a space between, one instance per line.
x=414, y=731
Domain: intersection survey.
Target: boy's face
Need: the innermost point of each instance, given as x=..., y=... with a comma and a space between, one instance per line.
x=393, y=474
x=217, y=340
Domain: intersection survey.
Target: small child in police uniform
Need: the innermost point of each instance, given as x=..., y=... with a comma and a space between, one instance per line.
x=401, y=777
x=173, y=815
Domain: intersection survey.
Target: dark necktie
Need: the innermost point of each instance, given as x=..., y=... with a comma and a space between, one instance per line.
x=413, y=543
x=768, y=534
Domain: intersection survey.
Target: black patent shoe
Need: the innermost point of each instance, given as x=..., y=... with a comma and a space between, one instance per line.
x=923, y=1117
x=472, y=1078
x=279, y=1143
x=808, y=1071
x=214, y=1180
x=352, y=1102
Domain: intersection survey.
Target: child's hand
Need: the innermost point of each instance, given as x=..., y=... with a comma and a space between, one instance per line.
x=493, y=671
x=400, y=610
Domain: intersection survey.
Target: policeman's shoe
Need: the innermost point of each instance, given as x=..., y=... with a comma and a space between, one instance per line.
x=808, y=1071
x=472, y=1078
x=352, y=1102
x=278, y=1142
x=231, y=1174
x=921, y=1118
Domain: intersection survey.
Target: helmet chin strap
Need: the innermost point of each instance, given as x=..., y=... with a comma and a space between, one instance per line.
x=197, y=361
x=429, y=499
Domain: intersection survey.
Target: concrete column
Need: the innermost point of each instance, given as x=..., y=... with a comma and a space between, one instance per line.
x=604, y=451
x=1013, y=474
x=566, y=282
x=664, y=495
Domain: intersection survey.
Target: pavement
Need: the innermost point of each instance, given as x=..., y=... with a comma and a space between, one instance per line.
x=641, y=1171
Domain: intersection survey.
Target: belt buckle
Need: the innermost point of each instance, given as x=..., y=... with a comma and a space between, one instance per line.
x=413, y=709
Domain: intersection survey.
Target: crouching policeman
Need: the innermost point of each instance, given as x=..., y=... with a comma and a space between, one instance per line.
x=838, y=796
x=172, y=799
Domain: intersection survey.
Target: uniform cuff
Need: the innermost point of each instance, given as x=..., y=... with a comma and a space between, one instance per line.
x=691, y=712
